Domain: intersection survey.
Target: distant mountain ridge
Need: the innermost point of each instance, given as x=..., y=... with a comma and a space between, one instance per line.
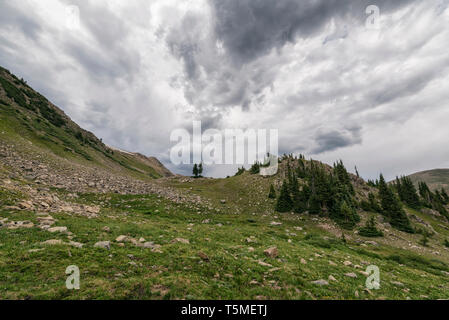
x=435, y=179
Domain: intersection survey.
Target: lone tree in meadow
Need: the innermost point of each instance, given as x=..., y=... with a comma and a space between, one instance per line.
x=195, y=170
x=200, y=169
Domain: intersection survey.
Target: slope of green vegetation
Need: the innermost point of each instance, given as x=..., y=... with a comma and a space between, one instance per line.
x=223, y=259
x=26, y=116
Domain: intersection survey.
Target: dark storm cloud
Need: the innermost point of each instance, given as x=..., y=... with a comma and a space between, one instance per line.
x=251, y=28
x=332, y=140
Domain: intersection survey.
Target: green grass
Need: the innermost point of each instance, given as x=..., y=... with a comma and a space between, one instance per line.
x=181, y=274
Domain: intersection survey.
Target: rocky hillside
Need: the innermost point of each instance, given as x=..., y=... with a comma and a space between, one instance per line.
x=32, y=125
x=435, y=179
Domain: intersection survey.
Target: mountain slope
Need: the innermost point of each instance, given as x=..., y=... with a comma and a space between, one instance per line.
x=435, y=179
x=33, y=124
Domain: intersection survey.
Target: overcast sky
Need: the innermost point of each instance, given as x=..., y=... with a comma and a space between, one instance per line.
x=134, y=70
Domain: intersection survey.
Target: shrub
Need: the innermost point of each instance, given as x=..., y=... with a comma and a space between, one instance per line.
x=240, y=171
x=13, y=93
x=370, y=230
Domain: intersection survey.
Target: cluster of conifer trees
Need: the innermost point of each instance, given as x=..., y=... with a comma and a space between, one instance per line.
x=310, y=186
x=434, y=200
x=320, y=192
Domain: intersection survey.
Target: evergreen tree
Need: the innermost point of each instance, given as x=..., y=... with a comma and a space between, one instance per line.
x=425, y=194
x=200, y=169
x=240, y=171
x=370, y=230
x=346, y=215
x=373, y=203
x=444, y=196
x=272, y=193
x=392, y=209
x=300, y=201
x=255, y=168
x=195, y=170
x=284, y=202
x=314, y=204
x=407, y=192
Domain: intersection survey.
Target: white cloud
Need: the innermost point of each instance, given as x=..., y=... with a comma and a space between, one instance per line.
x=136, y=70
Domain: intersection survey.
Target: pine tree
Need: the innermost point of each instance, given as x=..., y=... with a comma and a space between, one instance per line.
x=370, y=230
x=284, y=202
x=195, y=170
x=240, y=171
x=392, y=209
x=314, y=204
x=373, y=203
x=444, y=196
x=200, y=169
x=407, y=192
x=272, y=193
x=346, y=216
x=300, y=201
x=255, y=168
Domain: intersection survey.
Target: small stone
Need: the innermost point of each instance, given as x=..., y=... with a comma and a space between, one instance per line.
x=148, y=245
x=76, y=244
x=332, y=278
x=271, y=252
x=264, y=264
x=321, y=282
x=121, y=238
x=347, y=263
x=397, y=283
x=303, y=261
x=181, y=240
x=106, y=229
x=332, y=263
x=57, y=229
x=103, y=245
x=351, y=275
x=53, y=242
x=203, y=256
